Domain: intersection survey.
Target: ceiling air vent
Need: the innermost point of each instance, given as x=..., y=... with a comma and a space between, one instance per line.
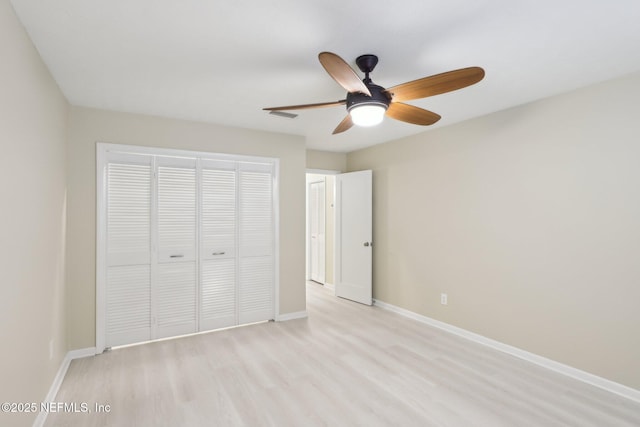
x=283, y=114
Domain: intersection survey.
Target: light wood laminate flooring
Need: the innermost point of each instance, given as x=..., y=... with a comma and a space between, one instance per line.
x=346, y=365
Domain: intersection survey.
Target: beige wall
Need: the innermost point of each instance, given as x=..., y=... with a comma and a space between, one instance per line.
x=88, y=126
x=325, y=160
x=33, y=115
x=529, y=219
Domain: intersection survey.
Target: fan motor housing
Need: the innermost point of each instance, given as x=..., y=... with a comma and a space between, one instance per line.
x=378, y=97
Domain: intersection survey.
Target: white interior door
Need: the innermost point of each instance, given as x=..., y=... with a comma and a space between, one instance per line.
x=174, y=297
x=317, y=232
x=256, y=243
x=218, y=247
x=353, y=267
x=128, y=255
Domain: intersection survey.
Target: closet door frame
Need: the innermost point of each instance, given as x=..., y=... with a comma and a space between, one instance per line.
x=103, y=151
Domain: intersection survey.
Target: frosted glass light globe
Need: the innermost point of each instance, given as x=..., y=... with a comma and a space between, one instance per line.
x=367, y=114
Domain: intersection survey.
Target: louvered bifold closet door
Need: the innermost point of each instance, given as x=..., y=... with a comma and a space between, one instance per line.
x=256, y=238
x=218, y=299
x=128, y=249
x=175, y=295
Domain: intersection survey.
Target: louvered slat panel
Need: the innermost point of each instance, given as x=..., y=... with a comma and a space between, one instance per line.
x=128, y=213
x=256, y=281
x=256, y=289
x=128, y=308
x=175, y=293
x=176, y=299
x=218, y=230
x=176, y=213
x=256, y=213
x=218, y=237
x=218, y=293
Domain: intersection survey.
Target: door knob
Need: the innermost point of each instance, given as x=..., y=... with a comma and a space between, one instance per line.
x=368, y=244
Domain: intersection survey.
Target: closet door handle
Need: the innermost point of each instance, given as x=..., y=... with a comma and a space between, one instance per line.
x=218, y=253
x=176, y=256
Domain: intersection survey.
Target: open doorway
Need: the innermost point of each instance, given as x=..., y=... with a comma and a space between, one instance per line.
x=320, y=227
x=340, y=232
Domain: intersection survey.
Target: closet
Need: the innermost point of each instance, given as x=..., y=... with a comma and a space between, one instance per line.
x=186, y=243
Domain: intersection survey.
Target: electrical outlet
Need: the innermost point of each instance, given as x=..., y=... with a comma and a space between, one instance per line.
x=443, y=299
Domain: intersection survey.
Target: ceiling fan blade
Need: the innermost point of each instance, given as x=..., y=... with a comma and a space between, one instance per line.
x=411, y=114
x=342, y=73
x=344, y=125
x=307, y=106
x=437, y=84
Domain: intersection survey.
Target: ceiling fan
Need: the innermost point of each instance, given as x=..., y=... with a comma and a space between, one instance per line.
x=367, y=103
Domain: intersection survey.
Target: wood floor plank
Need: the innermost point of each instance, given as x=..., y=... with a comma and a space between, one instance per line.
x=346, y=365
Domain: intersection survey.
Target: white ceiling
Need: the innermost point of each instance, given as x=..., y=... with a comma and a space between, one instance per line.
x=222, y=61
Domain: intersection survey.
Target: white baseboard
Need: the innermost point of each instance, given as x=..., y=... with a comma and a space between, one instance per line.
x=603, y=383
x=57, y=381
x=291, y=316
x=80, y=353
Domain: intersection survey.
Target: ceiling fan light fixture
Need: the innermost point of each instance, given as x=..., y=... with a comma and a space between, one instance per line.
x=367, y=114
x=368, y=110
x=368, y=103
